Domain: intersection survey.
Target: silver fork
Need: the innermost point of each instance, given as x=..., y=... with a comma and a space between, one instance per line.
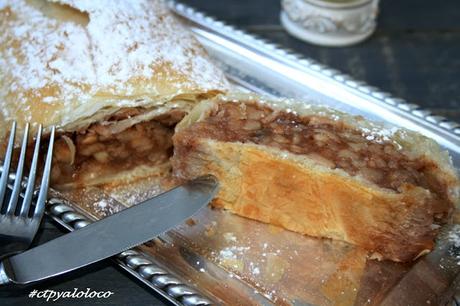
x=18, y=221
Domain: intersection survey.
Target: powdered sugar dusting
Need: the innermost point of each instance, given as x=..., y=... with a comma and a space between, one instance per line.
x=232, y=252
x=454, y=238
x=136, y=192
x=123, y=41
x=105, y=208
x=38, y=53
x=379, y=134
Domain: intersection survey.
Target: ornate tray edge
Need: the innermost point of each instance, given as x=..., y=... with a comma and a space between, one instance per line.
x=312, y=65
x=133, y=261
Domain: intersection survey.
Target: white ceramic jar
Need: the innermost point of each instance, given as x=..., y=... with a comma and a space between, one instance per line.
x=330, y=22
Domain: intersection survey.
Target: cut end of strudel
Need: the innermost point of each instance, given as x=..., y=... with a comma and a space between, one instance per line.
x=321, y=172
x=114, y=79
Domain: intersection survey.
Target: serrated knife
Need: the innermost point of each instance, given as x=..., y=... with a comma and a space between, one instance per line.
x=109, y=236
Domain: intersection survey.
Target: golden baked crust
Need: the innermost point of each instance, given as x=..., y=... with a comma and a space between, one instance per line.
x=72, y=63
x=296, y=192
x=75, y=63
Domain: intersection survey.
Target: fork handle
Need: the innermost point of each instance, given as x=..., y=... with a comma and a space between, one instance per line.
x=4, y=278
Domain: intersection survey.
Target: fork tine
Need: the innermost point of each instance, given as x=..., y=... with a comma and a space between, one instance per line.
x=18, y=177
x=43, y=194
x=7, y=163
x=31, y=179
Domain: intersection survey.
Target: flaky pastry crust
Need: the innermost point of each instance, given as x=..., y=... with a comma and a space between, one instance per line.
x=75, y=64
x=72, y=63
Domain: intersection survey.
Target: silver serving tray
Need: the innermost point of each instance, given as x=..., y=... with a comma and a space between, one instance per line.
x=259, y=66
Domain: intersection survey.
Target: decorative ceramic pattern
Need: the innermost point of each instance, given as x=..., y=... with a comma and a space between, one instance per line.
x=343, y=23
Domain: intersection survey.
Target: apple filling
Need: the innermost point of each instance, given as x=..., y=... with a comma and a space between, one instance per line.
x=327, y=142
x=91, y=155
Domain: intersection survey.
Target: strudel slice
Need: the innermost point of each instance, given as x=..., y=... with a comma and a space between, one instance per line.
x=320, y=172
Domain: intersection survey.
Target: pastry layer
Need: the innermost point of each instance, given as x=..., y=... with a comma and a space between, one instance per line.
x=313, y=171
x=70, y=63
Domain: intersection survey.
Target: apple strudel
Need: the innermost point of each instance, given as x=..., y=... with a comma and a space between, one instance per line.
x=320, y=172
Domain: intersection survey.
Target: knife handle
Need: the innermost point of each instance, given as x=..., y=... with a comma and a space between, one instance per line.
x=4, y=278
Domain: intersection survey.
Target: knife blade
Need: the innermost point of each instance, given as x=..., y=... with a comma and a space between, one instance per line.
x=109, y=236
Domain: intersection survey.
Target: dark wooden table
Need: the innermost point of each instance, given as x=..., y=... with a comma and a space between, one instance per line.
x=414, y=54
